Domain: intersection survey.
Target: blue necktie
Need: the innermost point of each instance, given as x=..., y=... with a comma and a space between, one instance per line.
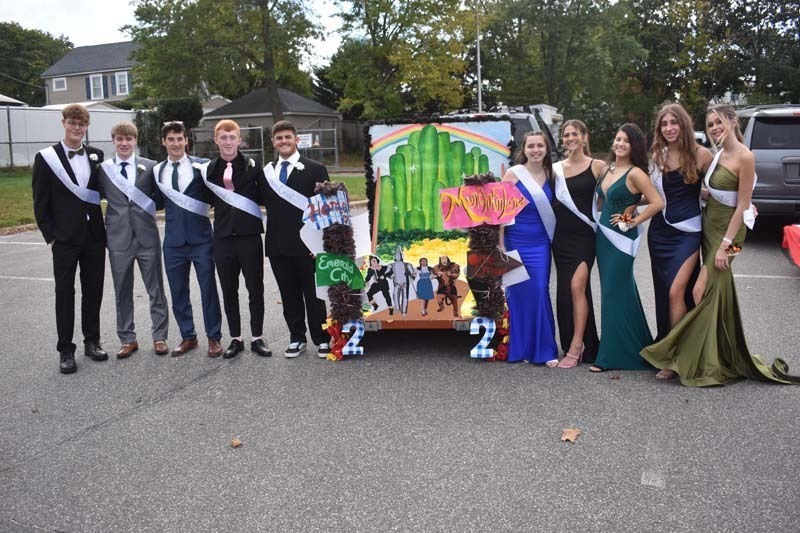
x=123, y=171
x=284, y=175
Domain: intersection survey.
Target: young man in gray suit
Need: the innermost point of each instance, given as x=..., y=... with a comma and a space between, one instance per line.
x=126, y=181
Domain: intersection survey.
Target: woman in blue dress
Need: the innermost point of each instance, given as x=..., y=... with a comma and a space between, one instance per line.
x=674, y=236
x=424, y=284
x=531, y=325
x=623, y=326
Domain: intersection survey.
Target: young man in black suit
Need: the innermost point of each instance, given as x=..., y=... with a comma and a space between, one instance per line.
x=66, y=203
x=290, y=181
x=237, y=188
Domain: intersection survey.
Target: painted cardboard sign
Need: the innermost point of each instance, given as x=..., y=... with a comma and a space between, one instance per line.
x=473, y=205
x=323, y=211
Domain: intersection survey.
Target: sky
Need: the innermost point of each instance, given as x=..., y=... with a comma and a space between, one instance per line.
x=88, y=22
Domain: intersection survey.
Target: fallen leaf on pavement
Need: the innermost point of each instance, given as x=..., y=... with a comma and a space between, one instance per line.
x=236, y=442
x=570, y=434
x=614, y=376
x=35, y=408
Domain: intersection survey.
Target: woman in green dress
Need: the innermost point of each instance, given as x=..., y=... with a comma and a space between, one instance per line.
x=624, y=330
x=707, y=347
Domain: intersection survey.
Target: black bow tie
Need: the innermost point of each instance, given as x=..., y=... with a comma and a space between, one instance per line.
x=72, y=153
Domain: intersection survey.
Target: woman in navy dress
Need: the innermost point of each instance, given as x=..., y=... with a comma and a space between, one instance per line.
x=675, y=233
x=531, y=327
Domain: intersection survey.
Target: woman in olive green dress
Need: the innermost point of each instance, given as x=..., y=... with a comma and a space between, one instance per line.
x=707, y=347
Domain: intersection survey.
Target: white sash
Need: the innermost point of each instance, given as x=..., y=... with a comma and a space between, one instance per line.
x=129, y=189
x=729, y=198
x=563, y=195
x=283, y=190
x=690, y=225
x=231, y=198
x=622, y=243
x=89, y=196
x=539, y=198
x=178, y=198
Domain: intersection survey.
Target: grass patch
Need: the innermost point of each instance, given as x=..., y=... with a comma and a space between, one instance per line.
x=16, y=197
x=356, y=186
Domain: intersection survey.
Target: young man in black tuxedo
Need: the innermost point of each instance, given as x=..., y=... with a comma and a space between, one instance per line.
x=290, y=181
x=237, y=187
x=66, y=203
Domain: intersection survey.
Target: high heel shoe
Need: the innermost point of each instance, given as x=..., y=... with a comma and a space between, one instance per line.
x=571, y=360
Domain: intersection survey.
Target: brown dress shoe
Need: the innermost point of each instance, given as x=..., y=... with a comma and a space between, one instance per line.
x=160, y=347
x=214, y=348
x=185, y=346
x=126, y=350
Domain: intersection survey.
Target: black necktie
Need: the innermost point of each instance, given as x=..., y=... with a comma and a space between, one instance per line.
x=175, y=175
x=123, y=171
x=72, y=153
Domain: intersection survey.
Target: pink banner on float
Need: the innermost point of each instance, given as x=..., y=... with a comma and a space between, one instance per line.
x=472, y=205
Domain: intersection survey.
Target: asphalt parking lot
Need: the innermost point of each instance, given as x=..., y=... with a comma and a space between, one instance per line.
x=413, y=435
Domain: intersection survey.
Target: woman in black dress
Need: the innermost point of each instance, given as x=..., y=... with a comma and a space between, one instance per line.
x=574, y=245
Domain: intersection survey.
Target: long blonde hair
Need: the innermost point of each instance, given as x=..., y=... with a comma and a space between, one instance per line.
x=727, y=115
x=687, y=146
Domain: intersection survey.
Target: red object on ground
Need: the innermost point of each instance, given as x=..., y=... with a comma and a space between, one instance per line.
x=791, y=241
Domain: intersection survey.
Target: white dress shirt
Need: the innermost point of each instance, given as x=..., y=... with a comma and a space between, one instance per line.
x=80, y=165
x=292, y=159
x=130, y=169
x=185, y=173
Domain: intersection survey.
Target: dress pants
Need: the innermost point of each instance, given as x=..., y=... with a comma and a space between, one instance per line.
x=149, y=260
x=297, y=285
x=245, y=254
x=91, y=256
x=177, y=263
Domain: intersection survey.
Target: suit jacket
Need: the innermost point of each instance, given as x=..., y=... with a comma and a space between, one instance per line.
x=181, y=226
x=60, y=215
x=284, y=220
x=124, y=218
x=247, y=181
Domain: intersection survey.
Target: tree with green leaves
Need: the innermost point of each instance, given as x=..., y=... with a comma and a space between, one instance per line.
x=234, y=46
x=24, y=55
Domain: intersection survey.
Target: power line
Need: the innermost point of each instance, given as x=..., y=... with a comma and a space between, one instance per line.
x=21, y=81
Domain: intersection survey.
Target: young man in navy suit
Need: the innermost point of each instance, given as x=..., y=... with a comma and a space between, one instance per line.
x=290, y=181
x=236, y=183
x=66, y=203
x=187, y=239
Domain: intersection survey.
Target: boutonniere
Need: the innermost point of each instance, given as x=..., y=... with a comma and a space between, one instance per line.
x=251, y=163
x=140, y=167
x=733, y=250
x=299, y=166
x=93, y=157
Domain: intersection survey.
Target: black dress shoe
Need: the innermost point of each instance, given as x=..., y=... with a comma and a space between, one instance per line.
x=93, y=351
x=259, y=347
x=67, y=365
x=234, y=349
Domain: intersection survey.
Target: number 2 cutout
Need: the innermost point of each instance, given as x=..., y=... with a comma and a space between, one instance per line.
x=352, y=347
x=482, y=350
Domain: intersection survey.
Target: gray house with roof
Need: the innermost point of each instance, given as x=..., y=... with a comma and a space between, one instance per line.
x=91, y=73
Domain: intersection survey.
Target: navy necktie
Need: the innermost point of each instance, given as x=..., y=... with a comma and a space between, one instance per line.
x=175, y=175
x=124, y=172
x=284, y=175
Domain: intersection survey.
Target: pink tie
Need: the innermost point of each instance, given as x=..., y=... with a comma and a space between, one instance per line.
x=227, y=176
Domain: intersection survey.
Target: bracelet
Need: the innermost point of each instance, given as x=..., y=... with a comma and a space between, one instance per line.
x=729, y=241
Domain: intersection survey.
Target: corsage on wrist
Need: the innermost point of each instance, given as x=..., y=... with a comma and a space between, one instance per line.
x=733, y=250
x=625, y=222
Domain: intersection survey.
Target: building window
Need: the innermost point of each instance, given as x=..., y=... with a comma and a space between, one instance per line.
x=96, y=84
x=122, y=83
x=59, y=84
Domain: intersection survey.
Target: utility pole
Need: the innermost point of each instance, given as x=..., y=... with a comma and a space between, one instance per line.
x=478, y=55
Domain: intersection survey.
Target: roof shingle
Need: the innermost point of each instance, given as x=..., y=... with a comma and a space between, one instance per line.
x=258, y=102
x=96, y=58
